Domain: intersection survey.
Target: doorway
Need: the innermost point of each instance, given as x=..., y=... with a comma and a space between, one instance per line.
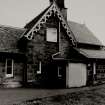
x=76, y=75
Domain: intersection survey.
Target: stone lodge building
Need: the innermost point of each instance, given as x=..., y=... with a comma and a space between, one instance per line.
x=50, y=51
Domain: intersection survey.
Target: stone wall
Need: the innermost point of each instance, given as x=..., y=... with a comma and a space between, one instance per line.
x=38, y=49
x=64, y=43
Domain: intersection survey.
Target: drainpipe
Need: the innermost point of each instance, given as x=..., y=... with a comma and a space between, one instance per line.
x=59, y=35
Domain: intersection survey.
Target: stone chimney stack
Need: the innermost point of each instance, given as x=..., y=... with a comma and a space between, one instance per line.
x=61, y=6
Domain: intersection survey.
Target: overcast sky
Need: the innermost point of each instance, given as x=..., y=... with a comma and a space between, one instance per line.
x=91, y=12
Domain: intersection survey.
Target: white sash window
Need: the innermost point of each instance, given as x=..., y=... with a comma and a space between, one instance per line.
x=51, y=35
x=9, y=67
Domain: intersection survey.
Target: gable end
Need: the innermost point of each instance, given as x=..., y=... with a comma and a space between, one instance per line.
x=53, y=9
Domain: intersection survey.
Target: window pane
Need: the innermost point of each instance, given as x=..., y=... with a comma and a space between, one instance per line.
x=9, y=70
x=52, y=34
x=9, y=62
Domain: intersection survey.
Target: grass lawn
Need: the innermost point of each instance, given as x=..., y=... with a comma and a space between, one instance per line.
x=92, y=96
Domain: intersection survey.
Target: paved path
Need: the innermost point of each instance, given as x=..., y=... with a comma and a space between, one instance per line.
x=10, y=96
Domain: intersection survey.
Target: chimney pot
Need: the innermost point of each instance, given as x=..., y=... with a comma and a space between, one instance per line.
x=60, y=3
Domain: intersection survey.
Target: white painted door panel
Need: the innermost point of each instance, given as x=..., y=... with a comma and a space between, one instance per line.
x=76, y=75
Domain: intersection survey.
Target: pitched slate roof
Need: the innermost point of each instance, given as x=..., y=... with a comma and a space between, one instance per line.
x=9, y=37
x=33, y=21
x=80, y=31
x=100, y=54
x=83, y=34
x=29, y=25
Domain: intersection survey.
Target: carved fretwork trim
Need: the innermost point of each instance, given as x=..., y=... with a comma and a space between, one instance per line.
x=53, y=9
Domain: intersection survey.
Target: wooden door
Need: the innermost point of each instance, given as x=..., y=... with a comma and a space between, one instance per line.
x=76, y=75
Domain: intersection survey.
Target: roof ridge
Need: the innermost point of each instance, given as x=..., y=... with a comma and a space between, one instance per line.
x=83, y=34
x=9, y=26
x=76, y=22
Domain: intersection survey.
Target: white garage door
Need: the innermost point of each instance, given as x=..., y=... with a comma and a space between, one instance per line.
x=76, y=75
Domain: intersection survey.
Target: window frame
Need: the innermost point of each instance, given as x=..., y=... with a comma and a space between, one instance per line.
x=48, y=30
x=11, y=66
x=40, y=68
x=59, y=72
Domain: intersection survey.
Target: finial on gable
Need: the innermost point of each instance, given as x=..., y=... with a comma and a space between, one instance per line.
x=61, y=6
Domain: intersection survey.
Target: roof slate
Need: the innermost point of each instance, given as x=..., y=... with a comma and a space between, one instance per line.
x=9, y=37
x=99, y=54
x=80, y=31
x=34, y=21
x=83, y=34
